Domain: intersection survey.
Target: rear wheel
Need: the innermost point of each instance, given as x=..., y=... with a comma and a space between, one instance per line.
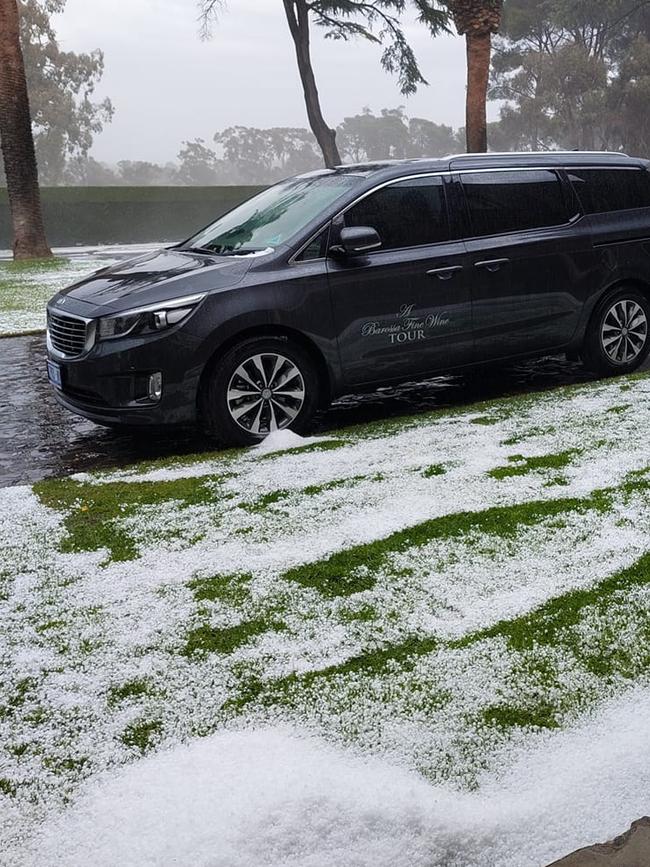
x=618, y=336
x=259, y=386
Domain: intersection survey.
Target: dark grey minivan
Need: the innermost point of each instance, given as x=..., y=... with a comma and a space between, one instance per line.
x=351, y=278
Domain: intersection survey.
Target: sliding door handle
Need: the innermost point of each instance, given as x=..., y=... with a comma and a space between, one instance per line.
x=445, y=273
x=492, y=264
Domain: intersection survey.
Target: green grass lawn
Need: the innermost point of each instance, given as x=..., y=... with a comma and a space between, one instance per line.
x=436, y=591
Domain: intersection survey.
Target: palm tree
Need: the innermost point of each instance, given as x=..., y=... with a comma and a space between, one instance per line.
x=17, y=142
x=477, y=21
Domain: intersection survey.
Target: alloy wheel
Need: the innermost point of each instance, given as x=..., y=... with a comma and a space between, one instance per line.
x=266, y=393
x=625, y=331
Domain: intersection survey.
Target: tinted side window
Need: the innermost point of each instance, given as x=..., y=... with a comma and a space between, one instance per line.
x=602, y=190
x=406, y=214
x=502, y=202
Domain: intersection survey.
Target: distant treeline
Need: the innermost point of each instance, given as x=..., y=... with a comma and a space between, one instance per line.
x=248, y=155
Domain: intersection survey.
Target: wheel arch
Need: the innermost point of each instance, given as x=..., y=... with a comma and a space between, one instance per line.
x=620, y=283
x=279, y=332
x=590, y=354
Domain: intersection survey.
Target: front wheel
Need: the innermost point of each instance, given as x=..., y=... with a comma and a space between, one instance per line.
x=259, y=386
x=618, y=337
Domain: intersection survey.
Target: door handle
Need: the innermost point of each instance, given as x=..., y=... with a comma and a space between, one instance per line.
x=445, y=273
x=492, y=264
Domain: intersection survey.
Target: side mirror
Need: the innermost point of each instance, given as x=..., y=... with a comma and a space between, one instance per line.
x=357, y=239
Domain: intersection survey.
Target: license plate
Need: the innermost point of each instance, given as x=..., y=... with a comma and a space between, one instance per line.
x=54, y=374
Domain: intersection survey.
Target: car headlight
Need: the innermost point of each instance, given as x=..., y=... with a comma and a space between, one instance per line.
x=147, y=320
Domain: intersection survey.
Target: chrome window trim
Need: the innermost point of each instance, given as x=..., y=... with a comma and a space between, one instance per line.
x=389, y=183
x=554, y=169
x=605, y=168
x=91, y=332
x=459, y=172
x=293, y=260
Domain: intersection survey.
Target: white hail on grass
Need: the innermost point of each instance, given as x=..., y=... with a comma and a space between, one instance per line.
x=76, y=625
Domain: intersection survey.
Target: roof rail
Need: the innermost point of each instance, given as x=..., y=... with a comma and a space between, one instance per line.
x=489, y=154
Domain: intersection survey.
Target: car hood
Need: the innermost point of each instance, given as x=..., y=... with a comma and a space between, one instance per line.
x=157, y=276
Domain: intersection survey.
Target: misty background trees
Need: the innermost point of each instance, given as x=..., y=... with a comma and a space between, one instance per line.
x=248, y=155
x=565, y=75
x=574, y=75
x=65, y=118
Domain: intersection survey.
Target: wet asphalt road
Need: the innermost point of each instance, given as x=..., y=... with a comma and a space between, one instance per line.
x=38, y=439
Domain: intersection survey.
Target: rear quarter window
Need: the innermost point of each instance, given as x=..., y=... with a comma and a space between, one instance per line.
x=514, y=201
x=603, y=190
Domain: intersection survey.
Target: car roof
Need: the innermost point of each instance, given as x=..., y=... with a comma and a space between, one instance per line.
x=389, y=169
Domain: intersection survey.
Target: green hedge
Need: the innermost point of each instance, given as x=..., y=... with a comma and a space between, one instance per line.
x=122, y=215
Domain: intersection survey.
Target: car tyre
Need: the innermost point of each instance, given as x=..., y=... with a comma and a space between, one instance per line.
x=618, y=335
x=258, y=386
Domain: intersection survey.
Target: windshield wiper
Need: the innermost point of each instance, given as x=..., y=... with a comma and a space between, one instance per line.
x=205, y=250
x=210, y=251
x=242, y=251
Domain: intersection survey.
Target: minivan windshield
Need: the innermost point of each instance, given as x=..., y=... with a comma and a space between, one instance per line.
x=273, y=217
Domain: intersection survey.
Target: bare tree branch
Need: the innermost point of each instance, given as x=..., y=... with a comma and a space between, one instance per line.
x=208, y=13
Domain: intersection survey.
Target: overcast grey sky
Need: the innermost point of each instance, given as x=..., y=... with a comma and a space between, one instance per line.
x=168, y=86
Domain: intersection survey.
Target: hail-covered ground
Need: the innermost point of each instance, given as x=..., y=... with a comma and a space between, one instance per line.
x=420, y=642
x=26, y=287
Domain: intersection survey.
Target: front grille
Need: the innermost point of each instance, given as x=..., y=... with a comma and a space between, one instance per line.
x=67, y=334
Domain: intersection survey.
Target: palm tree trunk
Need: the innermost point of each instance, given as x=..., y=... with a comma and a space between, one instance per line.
x=298, y=18
x=479, y=54
x=17, y=142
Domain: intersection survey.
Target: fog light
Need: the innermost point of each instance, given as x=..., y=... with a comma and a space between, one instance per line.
x=155, y=386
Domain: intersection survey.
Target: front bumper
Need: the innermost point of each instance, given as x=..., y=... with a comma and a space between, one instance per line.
x=142, y=416
x=109, y=385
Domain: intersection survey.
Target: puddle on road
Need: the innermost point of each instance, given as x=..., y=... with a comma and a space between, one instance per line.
x=38, y=439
